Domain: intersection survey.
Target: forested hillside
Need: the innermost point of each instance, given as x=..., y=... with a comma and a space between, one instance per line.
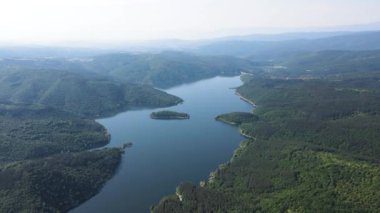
x=82, y=94
x=47, y=126
x=168, y=68
x=312, y=142
x=57, y=183
x=40, y=132
x=331, y=64
x=313, y=147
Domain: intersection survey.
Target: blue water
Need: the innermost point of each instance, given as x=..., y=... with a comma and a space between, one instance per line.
x=167, y=152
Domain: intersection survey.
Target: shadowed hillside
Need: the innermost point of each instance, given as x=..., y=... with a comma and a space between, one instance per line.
x=77, y=93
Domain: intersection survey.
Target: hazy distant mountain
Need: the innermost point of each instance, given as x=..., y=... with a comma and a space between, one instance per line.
x=166, y=69
x=265, y=49
x=375, y=26
x=352, y=37
x=284, y=36
x=295, y=34
x=45, y=51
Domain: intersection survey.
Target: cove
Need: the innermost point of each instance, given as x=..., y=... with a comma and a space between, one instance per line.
x=168, y=152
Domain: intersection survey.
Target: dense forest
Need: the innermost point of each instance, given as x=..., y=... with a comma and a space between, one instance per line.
x=327, y=64
x=47, y=107
x=311, y=141
x=47, y=127
x=237, y=118
x=56, y=183
x=169, y=115
x=39, y=171
x=312, y=146
x=35, y=133
x=83, y=94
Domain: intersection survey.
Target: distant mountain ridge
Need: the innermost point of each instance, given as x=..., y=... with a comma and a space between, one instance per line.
x=206, y=46
x=166, y=69
x=284, y=36
x=352, y=41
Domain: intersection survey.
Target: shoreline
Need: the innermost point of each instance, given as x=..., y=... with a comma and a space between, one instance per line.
x=221, y=162
x=242, y=147
x=245, y=99
x=108, y=137
x=245, y=135
x=225, y=121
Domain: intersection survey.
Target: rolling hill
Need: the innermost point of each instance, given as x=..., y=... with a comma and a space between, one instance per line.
x=86, y=95
x=166, y=69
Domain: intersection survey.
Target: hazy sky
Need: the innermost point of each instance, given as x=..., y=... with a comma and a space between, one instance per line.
x=118, y=20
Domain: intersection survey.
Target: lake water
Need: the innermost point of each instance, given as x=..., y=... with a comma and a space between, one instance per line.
x=167, y=152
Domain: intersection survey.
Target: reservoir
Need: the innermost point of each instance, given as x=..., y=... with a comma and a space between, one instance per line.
x=168, y=152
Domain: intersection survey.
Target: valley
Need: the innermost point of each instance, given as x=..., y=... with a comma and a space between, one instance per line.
x=304, y=108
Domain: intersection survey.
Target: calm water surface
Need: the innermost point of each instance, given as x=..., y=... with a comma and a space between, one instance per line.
x=165, y=153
